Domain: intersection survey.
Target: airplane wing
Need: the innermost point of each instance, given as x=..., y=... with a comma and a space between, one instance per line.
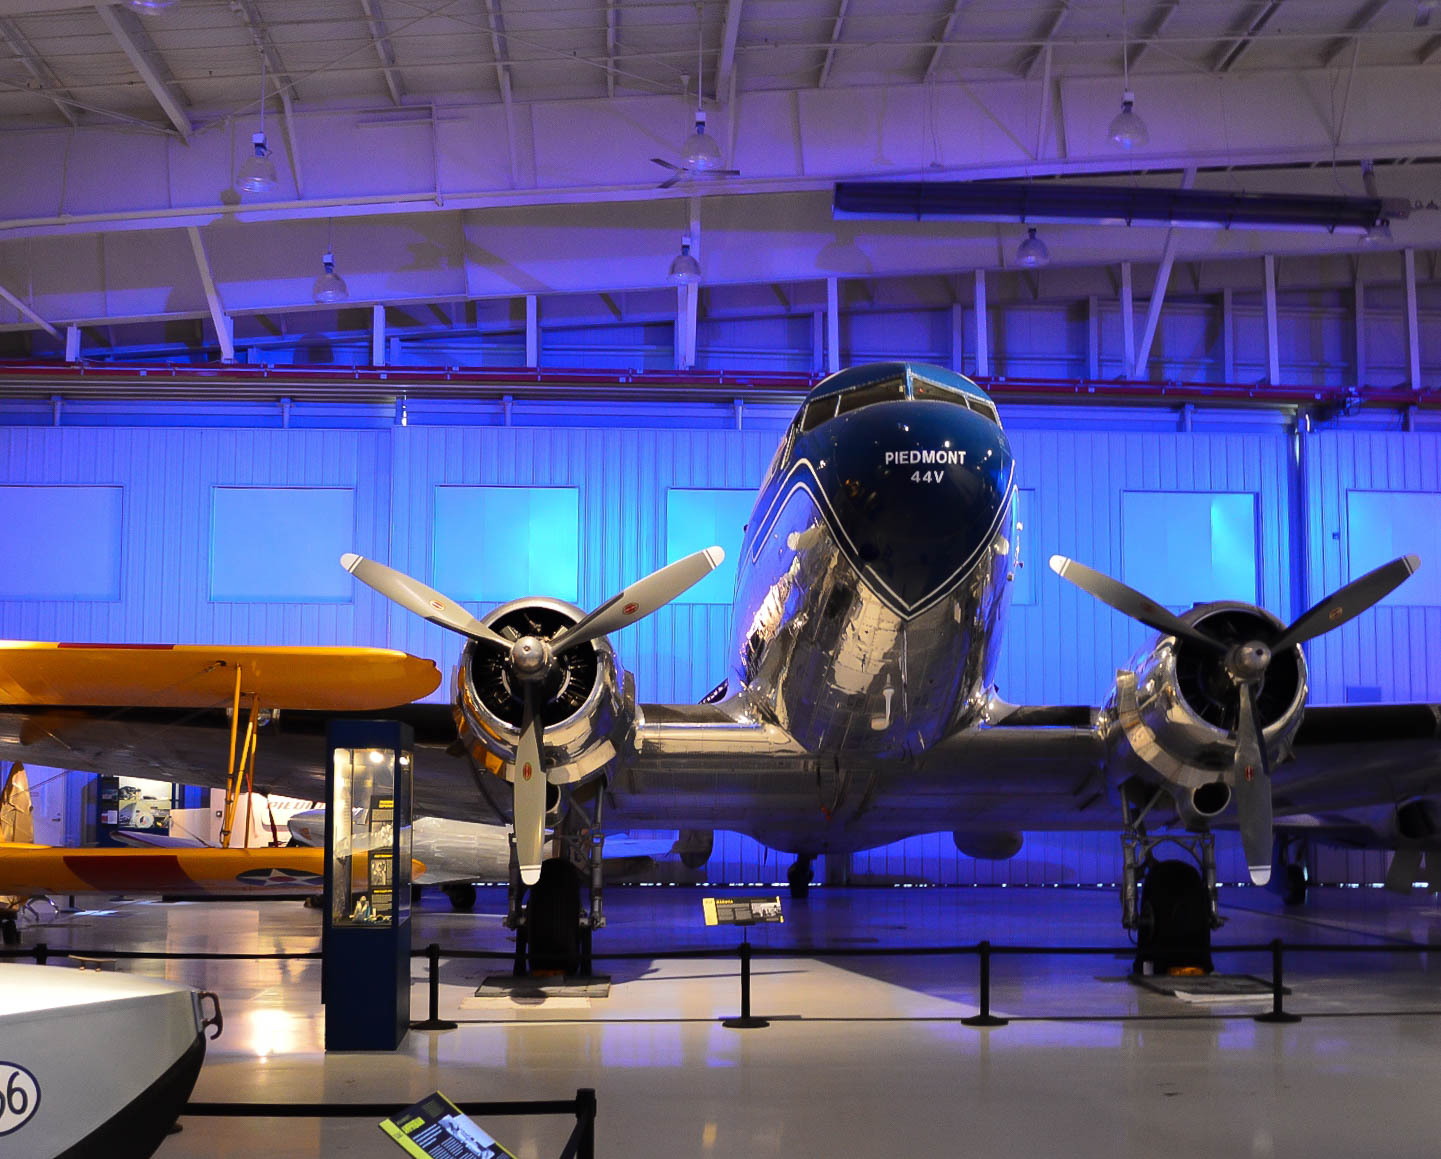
x=163, y=711
x=45, y=675
x=1037, y=768
x=28, y=870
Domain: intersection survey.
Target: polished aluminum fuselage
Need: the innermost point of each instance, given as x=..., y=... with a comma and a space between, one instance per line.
x=820, y=652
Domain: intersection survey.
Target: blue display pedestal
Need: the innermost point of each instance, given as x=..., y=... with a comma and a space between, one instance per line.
x=365, y=971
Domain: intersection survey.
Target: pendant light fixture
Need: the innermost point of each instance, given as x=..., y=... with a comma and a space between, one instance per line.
x=700, y=153
x=329, y=286
x=684, y=269
x=257, y=172
x=1032, y=252
x=1127, y=130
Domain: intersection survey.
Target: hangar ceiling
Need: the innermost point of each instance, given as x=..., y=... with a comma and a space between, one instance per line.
x=473, y=149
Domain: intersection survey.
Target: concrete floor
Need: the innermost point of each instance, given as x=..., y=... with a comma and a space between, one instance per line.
x=864, y=1055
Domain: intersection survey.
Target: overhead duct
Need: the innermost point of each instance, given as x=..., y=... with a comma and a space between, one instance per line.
x=1033, y=202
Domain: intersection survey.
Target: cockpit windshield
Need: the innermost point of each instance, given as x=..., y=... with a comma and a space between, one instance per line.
x=829, y=406
x=924, y=388
x=887, y=391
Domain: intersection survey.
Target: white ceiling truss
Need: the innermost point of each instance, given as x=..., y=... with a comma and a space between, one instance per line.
x=486, y=148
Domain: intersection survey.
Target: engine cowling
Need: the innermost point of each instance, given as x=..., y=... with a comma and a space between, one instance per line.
x=587, y=705
x=1173, y=715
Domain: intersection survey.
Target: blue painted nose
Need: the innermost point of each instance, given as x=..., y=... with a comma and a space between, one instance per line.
x=919, y=490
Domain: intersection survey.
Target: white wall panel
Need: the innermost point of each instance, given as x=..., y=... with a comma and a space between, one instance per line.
x=1062, y=649
x=1396, y=648
x=622, y=477
x=167, y=476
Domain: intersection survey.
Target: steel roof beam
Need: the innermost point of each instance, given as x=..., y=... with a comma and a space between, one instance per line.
x=127, y=30
x=836, y=25
x=53, y=90
x=957, y=7
x=725, y=67
x=380, y=37
x=27, y=312
x=1358, y=23
x=1155, y=24
x=1226, y=58
x=612, y=21
x=212, y=296
x=1032, y=56
x=500, y=49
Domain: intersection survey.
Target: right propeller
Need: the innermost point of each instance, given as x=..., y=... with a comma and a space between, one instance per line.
x=1245, y=664
x=530, y=660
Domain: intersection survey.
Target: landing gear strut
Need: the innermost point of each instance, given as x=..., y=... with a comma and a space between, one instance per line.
x=553, y=928
x=800, y=875
x=1176, y=909
x=1290, y=873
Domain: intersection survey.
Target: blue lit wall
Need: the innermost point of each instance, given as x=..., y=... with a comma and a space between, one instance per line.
x=196, y=534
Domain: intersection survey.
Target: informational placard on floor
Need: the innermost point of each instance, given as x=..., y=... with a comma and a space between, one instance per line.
x=741, y=911
x=434, y=1128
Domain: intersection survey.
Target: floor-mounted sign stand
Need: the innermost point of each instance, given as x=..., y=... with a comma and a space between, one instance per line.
x=743, y=912
x=365, y=972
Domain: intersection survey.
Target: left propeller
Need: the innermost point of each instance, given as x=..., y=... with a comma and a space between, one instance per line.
x=531, y=659
x=1244, y=665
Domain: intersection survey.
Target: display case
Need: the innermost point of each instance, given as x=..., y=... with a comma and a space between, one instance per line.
x=370, y=802
x=366, y=942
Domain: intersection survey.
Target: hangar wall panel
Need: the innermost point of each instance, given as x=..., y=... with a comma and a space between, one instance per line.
x=167, y=476
x=1063, y=648
x=623, y=479
x=1395, y=648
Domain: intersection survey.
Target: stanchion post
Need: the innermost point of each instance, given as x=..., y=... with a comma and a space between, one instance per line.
x=1276, y=1013
x=985, y=1017
x=585, y=1112
x=745, y=1021
x=434, y=1022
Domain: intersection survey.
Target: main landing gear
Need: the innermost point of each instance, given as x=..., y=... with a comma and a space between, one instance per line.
x=553, y=927
x=800, y=875
x=1174, y=910
x=461, y=895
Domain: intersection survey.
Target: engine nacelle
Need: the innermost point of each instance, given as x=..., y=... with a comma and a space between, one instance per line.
x=588, y=701
x=988, y=845
x=1173, y=716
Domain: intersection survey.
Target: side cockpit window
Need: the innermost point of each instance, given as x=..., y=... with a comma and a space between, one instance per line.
x=934, y=391
x=888, y=391
x=817, y=411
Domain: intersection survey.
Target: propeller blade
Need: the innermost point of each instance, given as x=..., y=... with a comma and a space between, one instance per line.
x=1129, y=601
x=1252, y=786
x=642, y=598
x=1349, y=602
x=529, y=792
x=667, y=165
x=671, y=180
x=414, y=596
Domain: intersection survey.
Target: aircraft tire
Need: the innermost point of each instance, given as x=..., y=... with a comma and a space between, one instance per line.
x=553, y=918
x=1175, y=919
x=9, y=932
x=798, y=877
x=1297, y=883
x=462, y=896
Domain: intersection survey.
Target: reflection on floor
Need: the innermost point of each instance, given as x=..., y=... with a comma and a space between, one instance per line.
x=865, y=1055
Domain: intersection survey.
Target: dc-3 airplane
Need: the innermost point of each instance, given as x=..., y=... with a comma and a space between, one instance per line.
x=859, y=706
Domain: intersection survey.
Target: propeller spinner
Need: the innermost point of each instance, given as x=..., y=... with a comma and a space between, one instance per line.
x=1245, y=665
x=530, y=660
